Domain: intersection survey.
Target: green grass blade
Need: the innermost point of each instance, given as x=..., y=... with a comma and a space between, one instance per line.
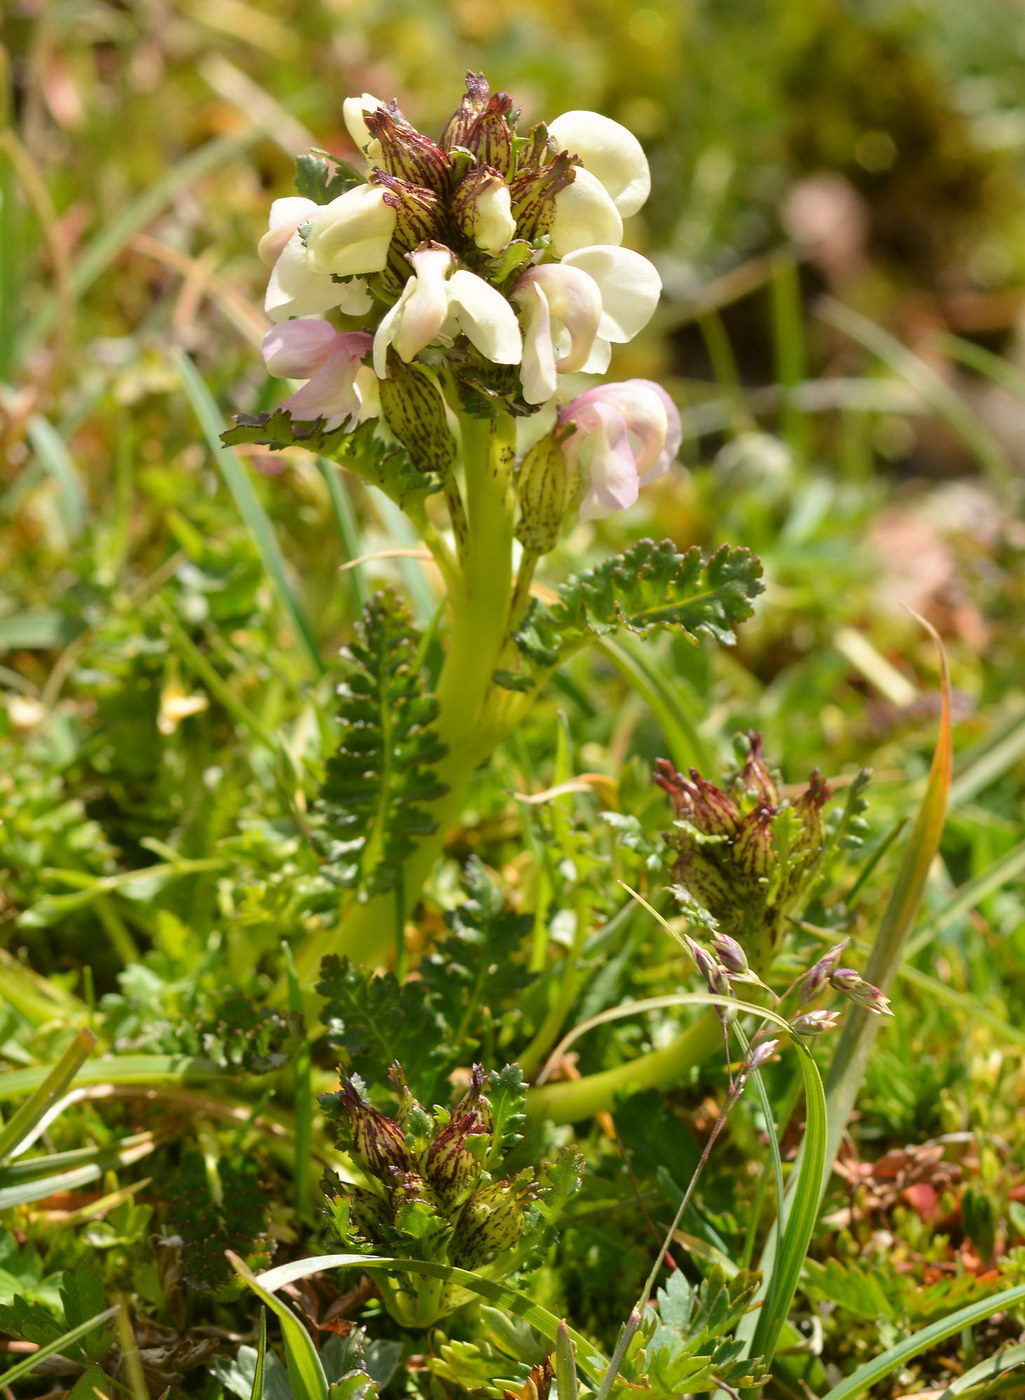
x=305, y=1372
x=782, y=1263
x=122, y=1069
x=991, y=761
x=35, y=1180
x=972, y=892
x=115, y=236
x=994, y=1368
x=897, y=1356
x=249, y=508
x=55, y=458
x=860, y=1026
x=302, y=1083
x=348, y=530
x=261, y=1359
x=18, y=1132
x=589, y=1358
x=933, y=389
x=668, y=702
x=30, y=1363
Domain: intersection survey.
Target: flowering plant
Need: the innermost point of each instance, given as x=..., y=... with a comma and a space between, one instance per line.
x=435, y=303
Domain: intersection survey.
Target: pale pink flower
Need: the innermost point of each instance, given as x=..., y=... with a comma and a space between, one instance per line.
x=623, y=437
x=330, y=360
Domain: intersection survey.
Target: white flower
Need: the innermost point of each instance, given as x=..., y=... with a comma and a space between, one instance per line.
x=297, y=287
x=482, y=206
x=630, y=288
x=331, y=361
x=584, y=215
x=437, y=303
x=562, y=310
x=353, y=233
x=575, y=309
x=623, y=437
x=354, y=110
x=609, y=152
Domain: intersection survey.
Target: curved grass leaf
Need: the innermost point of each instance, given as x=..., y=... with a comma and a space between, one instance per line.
x=897, y=1356
x=30, y=1363
x=589, y=1358
x=305, y=1371
x=860, y=1027
x=18, y=1132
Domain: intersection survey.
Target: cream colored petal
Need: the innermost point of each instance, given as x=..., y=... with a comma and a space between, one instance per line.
x=609, y=152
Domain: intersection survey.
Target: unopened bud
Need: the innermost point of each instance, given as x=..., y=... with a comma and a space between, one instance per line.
x=753, y=849
x=377, y=1140
x=862, y=993
x=755, y=775
x=485, y=132
x=761, y=1053
x=546, y=486
x=817, y=976
x=714, y=974
x=490, y=1223
x=406, y=152
x=482, y=208
x=730, y=954
x=413, y=408
x=534, y=194
x=815, y=1022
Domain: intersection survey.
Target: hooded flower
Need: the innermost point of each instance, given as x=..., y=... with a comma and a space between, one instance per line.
x=584, y=214
x=441, y=301
x=330, y=361
x=610, y=153
x=298, y=287
x=623, y=437
x=353, y=233
x=573, y=311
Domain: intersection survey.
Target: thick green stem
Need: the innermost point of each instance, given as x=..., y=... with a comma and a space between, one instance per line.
x=573, y=1099
x=466, y=725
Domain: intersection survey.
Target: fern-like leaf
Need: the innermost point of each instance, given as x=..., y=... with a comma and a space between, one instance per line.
x=647, y=588
x=379, y=782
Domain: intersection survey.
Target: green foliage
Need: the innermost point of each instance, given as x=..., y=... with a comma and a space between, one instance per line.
x=377, y=783
x=647, y=588
x=81, y=1297
x=207, y=1227
x=314, y=180
x=687, y=1345
x=359, y=450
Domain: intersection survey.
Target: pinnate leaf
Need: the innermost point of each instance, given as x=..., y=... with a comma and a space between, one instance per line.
x=647, y=588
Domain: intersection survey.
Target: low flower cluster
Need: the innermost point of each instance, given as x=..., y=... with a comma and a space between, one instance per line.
x=489, y=262
x=744, y=853
x=433, y=1187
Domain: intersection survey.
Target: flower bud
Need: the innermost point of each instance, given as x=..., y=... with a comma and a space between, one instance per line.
x=534, y=192
x=412, y=406
x=815, y=1022
x=546, y=486
x=452, y=1165
x=490, y=1223
x=755, y=776
x=354, y=114
x=480, y=125
x=730, y=954
x=377, y=1141
x=862, y=993
x=482, y=209
x=699, y=802
x=761, y=1053
x=817, y=976
x=714, y=974
x=406, y=152
x=353, y=233
x=753, y=849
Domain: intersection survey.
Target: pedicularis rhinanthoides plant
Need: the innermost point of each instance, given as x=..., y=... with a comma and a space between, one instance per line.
x=434, y=303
